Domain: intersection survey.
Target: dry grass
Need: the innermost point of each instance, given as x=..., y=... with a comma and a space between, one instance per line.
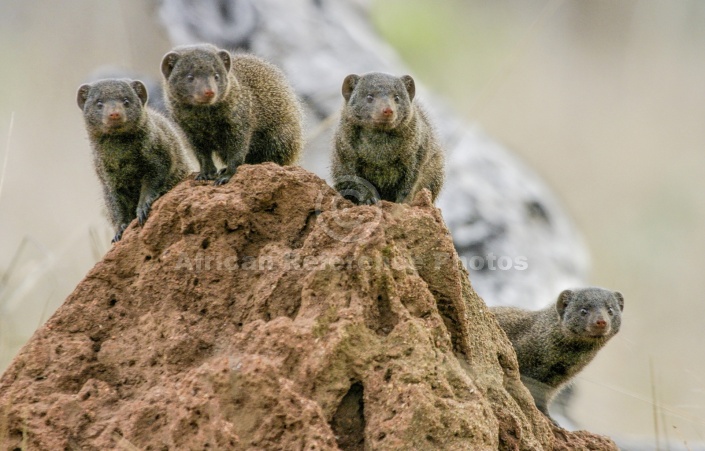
x=3, y=168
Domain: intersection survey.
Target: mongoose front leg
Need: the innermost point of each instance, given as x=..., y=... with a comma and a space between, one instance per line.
x=118, y=208
x=122, y=224
x=118, y=233
x=236, y=155
x=208, y=170
x=351, y=186
x=357, y=190
x=406, y=189
x=149, y=192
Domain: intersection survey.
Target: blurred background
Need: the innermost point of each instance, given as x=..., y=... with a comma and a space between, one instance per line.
x=605, y=99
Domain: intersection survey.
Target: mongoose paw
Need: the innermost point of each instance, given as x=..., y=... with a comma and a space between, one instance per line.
x=143, y=212
x=205, y=176
x=355, y=198
x=222, y=180
x=118, y=234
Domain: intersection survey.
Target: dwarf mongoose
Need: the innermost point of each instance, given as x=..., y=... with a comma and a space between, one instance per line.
x=385, y=146
x=138, y=154
x=554, y=344
x=239, y=107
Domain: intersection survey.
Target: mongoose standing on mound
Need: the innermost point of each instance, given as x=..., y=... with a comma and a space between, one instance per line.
x=554, y=344
x=239, y=107
x=138, y=154
x=384, y=139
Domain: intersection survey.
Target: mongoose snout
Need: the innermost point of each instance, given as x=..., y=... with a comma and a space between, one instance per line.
x=205, y=91
x=386, y=113
x=114, y=117
x=597, y=326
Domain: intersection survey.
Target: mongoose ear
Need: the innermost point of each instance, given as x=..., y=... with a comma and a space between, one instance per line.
x=410, y=85
x=563, y=300
x=225, y=56
x=82, y=95
x=620, y=300
x=349, y=85
x=141, y=91
x=168, y=63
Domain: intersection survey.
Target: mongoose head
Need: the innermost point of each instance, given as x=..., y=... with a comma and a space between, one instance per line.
x=197, y=74
x=378, y=100
x=112, y=106
x=590, y=313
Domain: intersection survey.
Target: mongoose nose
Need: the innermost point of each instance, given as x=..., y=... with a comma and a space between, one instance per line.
x=601, y=323
x=387, y=111
x=208, y=93
x=114, y=115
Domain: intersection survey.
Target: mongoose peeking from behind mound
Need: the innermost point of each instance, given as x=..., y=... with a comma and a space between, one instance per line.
x=239, y=107
x=554, y=344
x=138, y=154
x=385, y=146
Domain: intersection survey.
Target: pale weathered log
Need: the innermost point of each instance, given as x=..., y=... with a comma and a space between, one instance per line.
x=499, y=212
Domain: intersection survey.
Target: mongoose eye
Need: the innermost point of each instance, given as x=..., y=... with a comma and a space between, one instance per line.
x=217, y=77
x=583, y=311
x=189, y=77
x=99, y=105
x=610, y=311
x=125, y=102
x=370, y=98
x=396, y=99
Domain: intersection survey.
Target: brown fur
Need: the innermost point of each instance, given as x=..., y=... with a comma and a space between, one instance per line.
x=554, y=344
x=239, y=107
x=385, y=146
x=138, y=154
